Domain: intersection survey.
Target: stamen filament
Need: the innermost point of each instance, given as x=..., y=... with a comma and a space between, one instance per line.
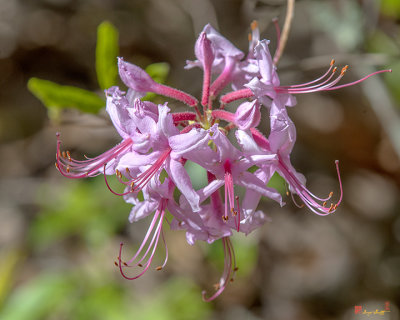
x=75, y=169
x=152, y=246
x=229, y=268
x=358, y=81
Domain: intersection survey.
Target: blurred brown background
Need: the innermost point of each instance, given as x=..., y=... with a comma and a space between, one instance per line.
x=301, y=266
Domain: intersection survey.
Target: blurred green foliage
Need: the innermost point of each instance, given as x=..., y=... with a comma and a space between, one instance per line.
x=380, y=42
x=75, y=296
x=87, y=213
x=77, y=208
x=391, y=8
x=246, y=254
x=106, y=53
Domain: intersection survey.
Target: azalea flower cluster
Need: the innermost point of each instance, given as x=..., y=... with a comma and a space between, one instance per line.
x=157, y=142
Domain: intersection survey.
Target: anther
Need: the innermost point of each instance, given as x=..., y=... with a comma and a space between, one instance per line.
x=324, y=204
x=69, y=156
x=64, y=154
x=254, y=25
x=344, y=69
x=331, y=208
x=225, y=218
x=235, y=269
x=67, y=169
x=330, y=194
x=332, y=62
x=125, y=264
x=334, y=70
x=158, y=268
x=140, y=265
x=250, y=37
x=116, y=264
x=231, y=279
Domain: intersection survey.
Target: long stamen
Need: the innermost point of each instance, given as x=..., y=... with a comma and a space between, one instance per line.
x=313, y=81
x=143, y=179
x=229, y=269
x=254, y=38
x=358, y=81
x=165, y=248
x=75, y=169
x=229, y=191
x=324, y=84
x=152, y=246
x=308, y=198
x=111, y=189
x=237, y=217
x=138, y=183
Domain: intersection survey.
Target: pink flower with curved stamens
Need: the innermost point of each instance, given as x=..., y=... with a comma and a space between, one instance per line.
x=117, y=108
x=229, y=166
x=167, y=143
x=267, y=87
x=281, y=141
x=157, y=143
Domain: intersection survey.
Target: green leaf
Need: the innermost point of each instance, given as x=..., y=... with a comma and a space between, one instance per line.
x=106, y=55
x=58, y=96
x=159, y=72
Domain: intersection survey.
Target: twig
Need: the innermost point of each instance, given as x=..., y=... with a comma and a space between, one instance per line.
x=285, y=31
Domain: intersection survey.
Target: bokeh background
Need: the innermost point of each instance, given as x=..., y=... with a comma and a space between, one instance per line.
x=59, y=238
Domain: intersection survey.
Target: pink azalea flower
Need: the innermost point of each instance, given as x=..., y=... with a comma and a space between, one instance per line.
x=281, y=141
x=156, y=143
